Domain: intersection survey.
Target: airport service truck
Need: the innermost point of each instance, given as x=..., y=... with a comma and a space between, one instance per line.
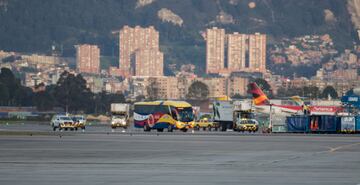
x=120, y=114
x=236, y=115
x=223, y=114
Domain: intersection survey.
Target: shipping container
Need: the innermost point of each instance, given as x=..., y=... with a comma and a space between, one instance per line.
x=278, y=128
x=120, y=108
x=347, y=124
x=19, y=115
x=278, y=123
x=4, y=114
x=298, y=123
x=357, y=124
x=323, y=123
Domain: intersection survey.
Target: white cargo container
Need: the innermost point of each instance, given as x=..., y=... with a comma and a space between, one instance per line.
x=223, y=114
x=120, y=108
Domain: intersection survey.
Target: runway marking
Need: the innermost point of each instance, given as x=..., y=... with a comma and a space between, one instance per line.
x=331, y=149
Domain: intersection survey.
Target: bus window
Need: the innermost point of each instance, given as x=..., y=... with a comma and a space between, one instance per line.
x=144, y=109
x=162, y=109
x=174, y=113
x=186, y=114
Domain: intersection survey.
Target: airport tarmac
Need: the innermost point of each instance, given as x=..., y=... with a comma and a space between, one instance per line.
x=179, y=159
x=97, y=128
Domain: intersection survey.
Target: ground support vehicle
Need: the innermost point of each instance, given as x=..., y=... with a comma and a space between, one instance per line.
x=120, y=114
x=244, y=120
x=247, y=125
x=223, y=114
x=204, y=124
x=62, y=122
x=79, y=122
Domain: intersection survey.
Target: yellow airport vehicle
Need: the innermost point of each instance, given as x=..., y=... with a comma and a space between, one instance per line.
x=204, y=124
x=249, y=125
x=79, y=121
x=244, y=121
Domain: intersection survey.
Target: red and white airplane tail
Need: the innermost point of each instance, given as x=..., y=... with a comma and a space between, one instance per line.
x=259, y=97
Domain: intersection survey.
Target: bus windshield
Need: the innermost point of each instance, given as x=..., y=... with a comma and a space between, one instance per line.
x=185, y=114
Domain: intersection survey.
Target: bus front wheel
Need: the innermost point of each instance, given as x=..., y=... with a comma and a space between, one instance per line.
x=146, y=128
x=170, y=128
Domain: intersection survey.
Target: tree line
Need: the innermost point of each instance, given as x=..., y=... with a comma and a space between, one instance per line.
x=70, y=93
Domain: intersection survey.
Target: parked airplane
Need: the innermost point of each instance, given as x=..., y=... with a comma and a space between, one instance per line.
x=262, y=104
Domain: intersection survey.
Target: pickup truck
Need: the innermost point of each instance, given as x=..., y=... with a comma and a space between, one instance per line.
x=204, y=123
x=79, y=121
x=62, y=122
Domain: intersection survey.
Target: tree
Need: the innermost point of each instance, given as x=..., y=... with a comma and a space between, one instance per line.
x=14, y=94
x=311, y=92
x=10, y=83
x=23, y=96
x=293, y=91
x=72, y=94
x=329, y=91
x=198, y=91
x=44, y=100
x=103, y=101
x=4, y=94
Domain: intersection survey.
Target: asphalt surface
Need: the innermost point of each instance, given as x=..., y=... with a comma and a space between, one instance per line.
x=178, y=159
x=97, y=128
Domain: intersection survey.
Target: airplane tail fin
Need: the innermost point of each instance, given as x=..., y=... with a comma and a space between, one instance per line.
x=259, y=97
x=297, y=100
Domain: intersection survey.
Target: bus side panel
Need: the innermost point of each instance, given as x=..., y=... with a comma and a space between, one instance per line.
x=139, y=124
x=140, y=120
x=160, y=120
x=164, y=121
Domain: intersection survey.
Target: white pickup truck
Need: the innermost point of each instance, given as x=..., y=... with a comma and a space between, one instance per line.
x=62, y=122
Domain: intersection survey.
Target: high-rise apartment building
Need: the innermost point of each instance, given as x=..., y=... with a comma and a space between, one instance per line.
x=215, y=50
x=257, y=52
x=149, y=62
x=244, y=52
x=237, y=51
x=132, y=40
x=88, y=58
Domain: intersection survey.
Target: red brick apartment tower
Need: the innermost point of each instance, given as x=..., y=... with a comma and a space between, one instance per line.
x=149, y=62
x=132, y=40
x=215, y=49
x=257, y=52
x=88, y=58
x=236, y=51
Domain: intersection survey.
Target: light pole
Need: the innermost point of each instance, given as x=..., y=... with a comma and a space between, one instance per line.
x=270, y=117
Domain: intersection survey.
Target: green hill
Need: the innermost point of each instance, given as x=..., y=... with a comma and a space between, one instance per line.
x=36, y=25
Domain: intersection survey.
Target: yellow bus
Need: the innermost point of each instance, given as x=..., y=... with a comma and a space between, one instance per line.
x=162, y=115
